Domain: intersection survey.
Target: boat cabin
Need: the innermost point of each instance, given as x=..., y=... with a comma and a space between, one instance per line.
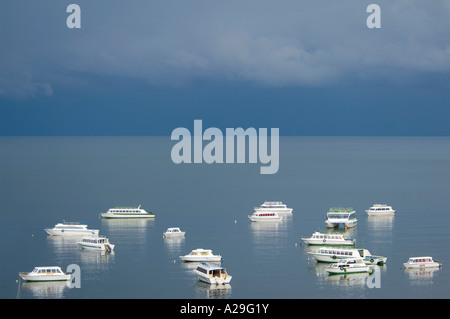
x=99, y=240
x=420, y=260
x=212, y=271
x=48, y=271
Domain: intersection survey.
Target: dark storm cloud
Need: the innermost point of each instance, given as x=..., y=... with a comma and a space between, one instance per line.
x=273, y=43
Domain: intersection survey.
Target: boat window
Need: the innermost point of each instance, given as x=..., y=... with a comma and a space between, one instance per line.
x=202, y=270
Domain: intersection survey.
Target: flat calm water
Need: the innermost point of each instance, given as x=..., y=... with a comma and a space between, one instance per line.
x=45, y=180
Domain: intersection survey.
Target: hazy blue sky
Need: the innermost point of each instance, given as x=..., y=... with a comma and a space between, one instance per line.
x=145, y=67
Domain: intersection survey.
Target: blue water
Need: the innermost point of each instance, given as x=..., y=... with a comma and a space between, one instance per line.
x=44, y=180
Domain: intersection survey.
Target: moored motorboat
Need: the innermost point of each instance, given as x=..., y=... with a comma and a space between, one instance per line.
x=212, y=273
x=265, y=217
x=333, y=254
x=201, y=255
x=97, y=243
x=50, y=273
x=328, y=239
x=277, y=207
x=422, y=262
x=71, y=229
x=173, y=232
x=341, y=216
x=349, y=266
x=127, y=212
x=380, y=210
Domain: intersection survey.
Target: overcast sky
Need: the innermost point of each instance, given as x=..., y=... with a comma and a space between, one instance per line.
x=160, y=64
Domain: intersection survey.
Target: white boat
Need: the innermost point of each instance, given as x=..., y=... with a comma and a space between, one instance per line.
x=329, y=239
x=200, y=255
x=380, y=210
x=265, y=217
x=52, y=273
x=349, y=266
x=173, y=232
x=127, y=212
x=332, y=254
x=341, y=216
x=422, y=262
x=71, y=229
x=277, y=207
x=212, y=274
x=96, y=243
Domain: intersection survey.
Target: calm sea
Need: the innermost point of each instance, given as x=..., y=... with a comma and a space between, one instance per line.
x=45, y=180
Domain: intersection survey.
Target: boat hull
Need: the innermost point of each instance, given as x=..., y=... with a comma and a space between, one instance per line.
x=99, y=247
x=372, y=260
x=201, y=258
x=213, y=280
x=333, y=258
x=71, y=232
x=422, y=265
x=41, y=278
x=387, y=213
x=274, y=210
x=330, y=242
x=123, y=216
x=348, y=270
x=178, y=235
x=265, y=219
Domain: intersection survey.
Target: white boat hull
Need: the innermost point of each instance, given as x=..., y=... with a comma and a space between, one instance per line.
x=422, y=265
x=72, y=232
x=213, y=280
x=118, y=216
x=188, y=258
x=331, y=242
x=174, y=235
x=273, y=210
x=372, y=260
x=40, y=278
x=265, y=218
x=98, y=247
x=348, y=270
x=387, y=213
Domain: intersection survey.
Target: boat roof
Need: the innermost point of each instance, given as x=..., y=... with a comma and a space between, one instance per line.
x=173, y=228
x=319, y=233
x=201, y=249
x=344, y=261
x=211, y=266
x=341, y=210
x=47, y=267
x=420, y=257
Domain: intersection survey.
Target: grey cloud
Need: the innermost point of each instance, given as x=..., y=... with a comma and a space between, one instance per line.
x=272, y=43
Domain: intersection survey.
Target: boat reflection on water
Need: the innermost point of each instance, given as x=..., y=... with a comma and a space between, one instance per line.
x=421, y=276
x=345, y=280
x=204, y=290
x=271, y=238
x=63, y=247
x=43, y=290
x=128, y=230
x=380, y=228
x=136, y=224
x=175, y=245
